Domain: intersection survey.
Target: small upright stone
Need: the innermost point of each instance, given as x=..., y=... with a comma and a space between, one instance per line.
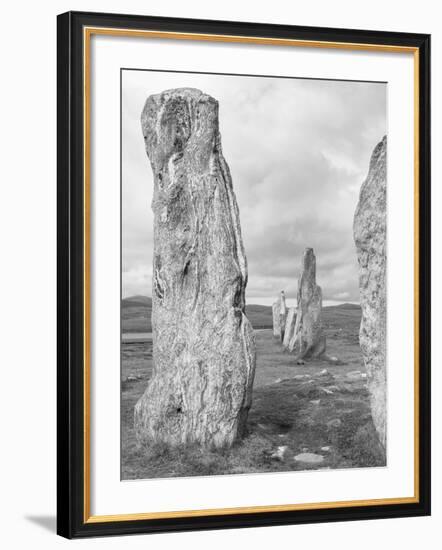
x=279, y=311
x=308, y=338
x=289, y=326
x=203, y=344
x=370, y=234
x=276, y=325
x=282, y=314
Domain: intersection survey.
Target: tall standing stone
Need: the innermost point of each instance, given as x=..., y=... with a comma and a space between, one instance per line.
x=203, y=344
x=370, y=234
x=279, y=312
x=308, y=338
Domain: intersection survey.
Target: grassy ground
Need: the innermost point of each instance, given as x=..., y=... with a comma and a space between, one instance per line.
x=320, y=408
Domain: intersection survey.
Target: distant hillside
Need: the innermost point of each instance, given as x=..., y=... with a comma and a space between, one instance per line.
x=136, y=312
x=259, y=316
x=344, y=306
x=134, y=301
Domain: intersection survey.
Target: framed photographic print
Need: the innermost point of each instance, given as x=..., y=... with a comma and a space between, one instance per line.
x=243, y=274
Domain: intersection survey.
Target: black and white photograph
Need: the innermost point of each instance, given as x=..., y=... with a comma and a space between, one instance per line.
x=253, y=293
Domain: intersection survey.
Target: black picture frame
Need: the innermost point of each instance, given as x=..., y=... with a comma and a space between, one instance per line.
x=72, y=521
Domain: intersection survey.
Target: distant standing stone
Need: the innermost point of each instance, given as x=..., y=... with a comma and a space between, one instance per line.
x=370, y=234
x=308, y=338
x=203, y=344
x=289, y=326
x=279, y=310
x=275, y=315
x=282, y=313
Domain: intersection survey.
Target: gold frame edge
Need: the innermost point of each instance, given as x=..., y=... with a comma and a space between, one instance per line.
x=87, y=33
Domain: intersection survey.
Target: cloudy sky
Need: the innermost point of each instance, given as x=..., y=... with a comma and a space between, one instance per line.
x=298, y=152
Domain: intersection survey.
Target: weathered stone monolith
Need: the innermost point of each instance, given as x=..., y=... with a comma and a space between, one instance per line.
x=289, y=326
x=203, y=344
x=370, y=234
x=308, y=338
x=279, y=311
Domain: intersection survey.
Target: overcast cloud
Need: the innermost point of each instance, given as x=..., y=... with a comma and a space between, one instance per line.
x=298, y=152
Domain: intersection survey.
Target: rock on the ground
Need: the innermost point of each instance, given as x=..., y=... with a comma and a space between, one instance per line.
x=309, y=458
x=335, y=423
x=279, y=453
x=203, y=344
x=370, y=235
x=308, y=339
x=354, y=374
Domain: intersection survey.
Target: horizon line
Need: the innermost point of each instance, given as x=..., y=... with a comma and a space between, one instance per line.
x=258, y=301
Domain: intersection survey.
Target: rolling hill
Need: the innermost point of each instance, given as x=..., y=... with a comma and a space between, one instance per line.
x=136, y=314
